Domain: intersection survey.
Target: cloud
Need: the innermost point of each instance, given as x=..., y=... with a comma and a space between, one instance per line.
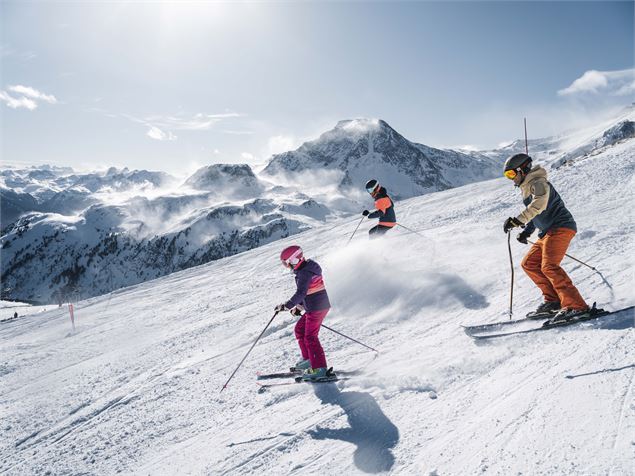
x=157, y=134
x=25, y=97
x=247, y=156
x=161, y=127
x=280, y=143
x=198, y=122
x=33, y=94
x=16, y=103
x=612, y=83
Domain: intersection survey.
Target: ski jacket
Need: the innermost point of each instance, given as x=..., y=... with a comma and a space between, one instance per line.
x=385, y=209
x=545, y=209
x=310, y=292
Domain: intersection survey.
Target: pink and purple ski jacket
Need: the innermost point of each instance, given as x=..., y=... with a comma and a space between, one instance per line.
x=311, y=292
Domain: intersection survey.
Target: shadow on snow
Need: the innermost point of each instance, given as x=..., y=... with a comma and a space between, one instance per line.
x=370, y=430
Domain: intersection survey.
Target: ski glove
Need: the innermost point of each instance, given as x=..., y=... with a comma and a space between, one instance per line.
x=297, y=312
x=522, y=237
x=280, y=308
x=511, y=223
x=365, y=213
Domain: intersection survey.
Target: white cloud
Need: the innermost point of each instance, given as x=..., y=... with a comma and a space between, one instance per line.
x=27, y=97
x=613, y=83
x=247, y=156
x=161, y=127
x=16, y=103
x=157, y=134
x=33, y=93
x=198, y=122
x=280, y=143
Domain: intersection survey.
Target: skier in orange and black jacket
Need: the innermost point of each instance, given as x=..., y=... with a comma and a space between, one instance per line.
x=384, y=209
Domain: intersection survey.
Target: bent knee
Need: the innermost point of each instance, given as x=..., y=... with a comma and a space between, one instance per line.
x=551, y=269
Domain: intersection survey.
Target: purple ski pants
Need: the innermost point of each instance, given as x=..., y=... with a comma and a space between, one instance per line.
x=306, y=331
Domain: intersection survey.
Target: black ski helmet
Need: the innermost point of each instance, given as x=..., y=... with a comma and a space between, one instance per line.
x=518, y=162
x=372, y=186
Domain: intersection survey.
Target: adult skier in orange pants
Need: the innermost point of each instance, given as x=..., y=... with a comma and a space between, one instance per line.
x=546, y=211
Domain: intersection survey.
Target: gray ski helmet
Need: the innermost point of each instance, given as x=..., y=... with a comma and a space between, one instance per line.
x=372, y=186
x=517, y=162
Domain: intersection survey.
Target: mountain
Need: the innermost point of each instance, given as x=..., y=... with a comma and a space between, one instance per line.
x=572, y=145
x=141, y=225
x=356, y=150
x=232, y=181
x=13, y=205
x=135, y=389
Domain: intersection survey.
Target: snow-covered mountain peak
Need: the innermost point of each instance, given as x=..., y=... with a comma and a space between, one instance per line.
x=360, y=149
x=230, y=180
x=361, y=125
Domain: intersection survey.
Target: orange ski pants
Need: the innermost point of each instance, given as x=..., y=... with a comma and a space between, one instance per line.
x=542, y=265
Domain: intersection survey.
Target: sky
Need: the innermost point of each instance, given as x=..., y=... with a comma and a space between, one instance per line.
x=174, y=86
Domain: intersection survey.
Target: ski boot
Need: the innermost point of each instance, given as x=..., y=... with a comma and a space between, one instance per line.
x=545, y=310
x=565, y=315
x=301, y=365
x=321, y=374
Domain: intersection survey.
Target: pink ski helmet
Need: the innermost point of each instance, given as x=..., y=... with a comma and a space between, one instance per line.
x=291, y=256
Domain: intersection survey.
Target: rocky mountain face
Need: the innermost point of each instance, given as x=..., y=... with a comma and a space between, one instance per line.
x=86, y=240
x=361, y=149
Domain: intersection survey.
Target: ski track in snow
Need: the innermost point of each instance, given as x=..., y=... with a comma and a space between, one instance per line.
x=136, y=389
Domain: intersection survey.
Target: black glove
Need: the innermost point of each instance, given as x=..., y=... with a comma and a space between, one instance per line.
x=511, y=223
x=296, y=312
x=280, y=308
x=522, y=237
x=365, y=213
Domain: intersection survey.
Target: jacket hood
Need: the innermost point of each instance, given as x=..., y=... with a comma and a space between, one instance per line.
x=536, y=172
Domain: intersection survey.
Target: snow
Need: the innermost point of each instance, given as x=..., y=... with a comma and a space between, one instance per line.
x=136, y=389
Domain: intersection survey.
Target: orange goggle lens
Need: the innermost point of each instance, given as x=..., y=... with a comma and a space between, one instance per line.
x=510, y=174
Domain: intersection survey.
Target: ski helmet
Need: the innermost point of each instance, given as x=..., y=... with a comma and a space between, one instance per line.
x=372, y=186
x=517, y=163
x=291, y=256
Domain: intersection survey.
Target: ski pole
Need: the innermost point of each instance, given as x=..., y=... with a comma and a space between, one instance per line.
x=410, y=230
x=574, y=259
x=358, y=225
x=511, y=263
x=350, y=338
x=252, y=346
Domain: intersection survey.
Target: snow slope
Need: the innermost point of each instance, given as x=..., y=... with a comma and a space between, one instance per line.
x=136, y=388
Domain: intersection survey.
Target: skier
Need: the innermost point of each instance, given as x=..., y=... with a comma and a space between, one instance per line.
x=546, y=211
x=385, y=209
x=311, y=297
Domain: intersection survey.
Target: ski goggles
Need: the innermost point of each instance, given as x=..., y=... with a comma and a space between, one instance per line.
x=510, y=174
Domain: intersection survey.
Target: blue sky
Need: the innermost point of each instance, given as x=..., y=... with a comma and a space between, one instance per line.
x=177, y=85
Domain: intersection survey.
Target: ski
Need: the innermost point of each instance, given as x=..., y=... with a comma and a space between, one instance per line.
x=530, y=317
x=488, y=331
x=10, y=319
x=263, y=387
x=291, y=373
